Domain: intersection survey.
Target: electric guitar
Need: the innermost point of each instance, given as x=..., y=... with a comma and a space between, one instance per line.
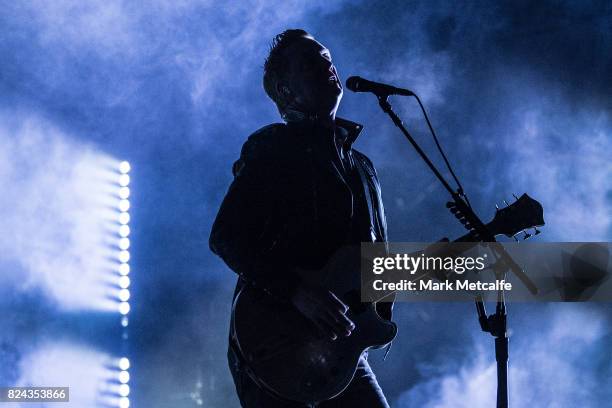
x=285, y=354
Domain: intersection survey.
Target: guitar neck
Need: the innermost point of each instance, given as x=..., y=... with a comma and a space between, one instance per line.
x=491, y=228
x=523, y=214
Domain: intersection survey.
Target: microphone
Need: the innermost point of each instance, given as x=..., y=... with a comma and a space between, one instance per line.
x=359, y=84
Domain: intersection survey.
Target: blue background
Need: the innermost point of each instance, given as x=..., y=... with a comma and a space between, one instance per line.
x=519, y=93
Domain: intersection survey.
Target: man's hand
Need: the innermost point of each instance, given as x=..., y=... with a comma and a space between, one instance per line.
x=323, y=309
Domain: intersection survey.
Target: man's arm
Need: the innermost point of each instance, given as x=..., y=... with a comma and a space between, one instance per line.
x=245, y=229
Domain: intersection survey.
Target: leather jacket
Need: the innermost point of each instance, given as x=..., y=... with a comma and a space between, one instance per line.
x=290, y=204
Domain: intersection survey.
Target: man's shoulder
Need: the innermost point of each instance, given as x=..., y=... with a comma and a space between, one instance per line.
x=268, y=140
x=271, y=130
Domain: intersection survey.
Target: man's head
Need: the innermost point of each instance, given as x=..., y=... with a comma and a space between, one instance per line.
x=299, y=75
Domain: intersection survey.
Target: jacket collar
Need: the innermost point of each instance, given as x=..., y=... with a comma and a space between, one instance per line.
x=347, y=130
x=352, y=129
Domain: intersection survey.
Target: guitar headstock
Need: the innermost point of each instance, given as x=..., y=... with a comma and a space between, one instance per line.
x=523, y=214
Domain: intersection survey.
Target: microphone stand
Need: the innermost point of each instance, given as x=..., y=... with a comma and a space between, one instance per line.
x=496, y=323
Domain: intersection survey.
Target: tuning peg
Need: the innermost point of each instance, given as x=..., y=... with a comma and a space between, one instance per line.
x=505, y=202
x=536, y=231
x=515, y=197
x=496, y=207
x=515, y=238
x=526, y=235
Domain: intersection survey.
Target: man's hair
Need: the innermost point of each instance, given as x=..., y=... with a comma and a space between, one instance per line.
x=276, y=65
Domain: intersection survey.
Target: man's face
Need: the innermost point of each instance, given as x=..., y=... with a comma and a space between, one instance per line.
x=312, y=78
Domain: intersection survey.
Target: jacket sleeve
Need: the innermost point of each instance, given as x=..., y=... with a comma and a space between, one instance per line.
x=246, y=231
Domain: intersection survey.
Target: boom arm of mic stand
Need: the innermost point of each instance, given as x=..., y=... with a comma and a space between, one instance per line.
x=383, y=101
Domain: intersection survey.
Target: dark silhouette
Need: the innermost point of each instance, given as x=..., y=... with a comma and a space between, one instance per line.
x=300, y=193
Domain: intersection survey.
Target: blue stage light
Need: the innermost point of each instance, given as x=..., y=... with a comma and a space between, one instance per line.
x=124, y=180
x=124, y=205
x=124, y=377
x=124, y=256
x=124, y=282
x=124, y=167
x=124, y=218
x=124, y=244
x=124, y=308
x=124, y=193
x=124, y=269
x=124, y=231
x=124, y=390
x=124, y=295
x=124, y=363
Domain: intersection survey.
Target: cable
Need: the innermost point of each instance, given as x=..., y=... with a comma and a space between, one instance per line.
x=460, y=190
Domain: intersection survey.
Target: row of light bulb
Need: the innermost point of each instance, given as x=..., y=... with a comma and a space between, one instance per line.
x=124, y=241
x=124, y=379
x=124, y=279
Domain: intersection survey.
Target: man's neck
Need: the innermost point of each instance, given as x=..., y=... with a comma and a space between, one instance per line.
x=326, y=119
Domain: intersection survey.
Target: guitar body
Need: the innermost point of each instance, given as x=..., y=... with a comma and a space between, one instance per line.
x=287, y=355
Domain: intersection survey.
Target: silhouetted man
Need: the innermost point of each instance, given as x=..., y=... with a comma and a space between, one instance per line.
x=299, y=193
